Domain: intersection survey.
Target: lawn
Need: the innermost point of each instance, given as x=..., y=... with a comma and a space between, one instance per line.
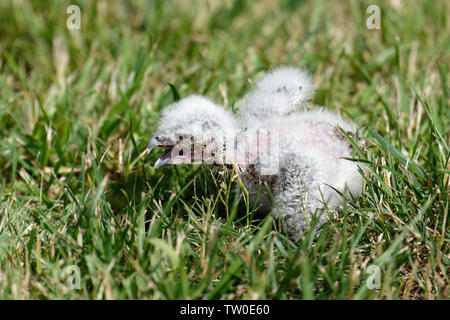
x=84, y=215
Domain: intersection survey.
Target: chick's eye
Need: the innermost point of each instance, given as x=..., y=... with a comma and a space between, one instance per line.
x=180, y=138
x=180, y=153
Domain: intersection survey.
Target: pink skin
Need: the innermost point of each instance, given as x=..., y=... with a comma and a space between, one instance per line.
x=317, y=137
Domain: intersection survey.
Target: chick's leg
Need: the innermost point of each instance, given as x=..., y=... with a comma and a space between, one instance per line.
x=297, y=196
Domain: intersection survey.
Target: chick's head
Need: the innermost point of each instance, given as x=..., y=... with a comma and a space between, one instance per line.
x=193, y=130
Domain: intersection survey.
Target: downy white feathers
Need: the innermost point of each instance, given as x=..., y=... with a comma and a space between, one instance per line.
x=275, y=129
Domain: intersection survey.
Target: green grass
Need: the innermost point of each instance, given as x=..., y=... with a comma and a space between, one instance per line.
x=77, y=109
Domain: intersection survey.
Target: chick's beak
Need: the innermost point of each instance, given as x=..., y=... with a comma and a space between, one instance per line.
x=164, y=159
x=158, y=141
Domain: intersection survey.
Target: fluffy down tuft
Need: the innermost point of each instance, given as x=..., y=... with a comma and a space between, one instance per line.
x=295, y=83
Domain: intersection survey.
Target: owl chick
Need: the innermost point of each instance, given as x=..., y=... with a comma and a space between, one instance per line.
x=298, y=154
